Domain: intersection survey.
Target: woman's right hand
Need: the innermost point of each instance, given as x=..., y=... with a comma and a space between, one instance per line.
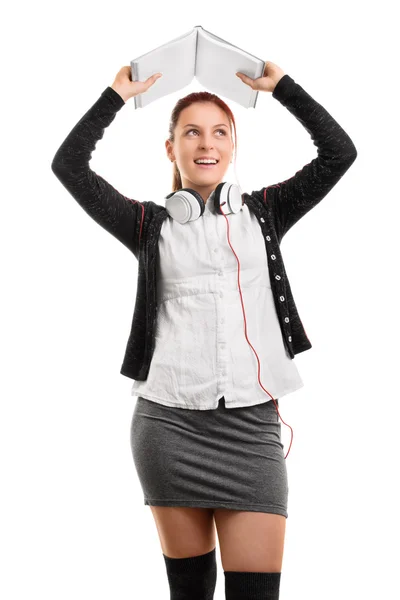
x=126, y=88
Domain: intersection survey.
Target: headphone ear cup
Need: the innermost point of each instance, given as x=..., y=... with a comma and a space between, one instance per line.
x=184, y=205
x=229, y=197
x=199, y=198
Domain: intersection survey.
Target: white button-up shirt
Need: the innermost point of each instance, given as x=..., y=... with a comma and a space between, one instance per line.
x=201, y=352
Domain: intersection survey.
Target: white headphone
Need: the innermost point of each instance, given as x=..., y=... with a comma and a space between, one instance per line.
x=187, y=205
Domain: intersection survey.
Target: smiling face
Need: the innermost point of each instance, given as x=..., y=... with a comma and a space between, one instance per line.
x=203, y=129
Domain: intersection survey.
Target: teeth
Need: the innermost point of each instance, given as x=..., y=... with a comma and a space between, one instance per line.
x=205, y=162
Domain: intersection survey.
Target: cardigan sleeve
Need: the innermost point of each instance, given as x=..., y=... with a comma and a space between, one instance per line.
x=291, y=199
x=117, y=214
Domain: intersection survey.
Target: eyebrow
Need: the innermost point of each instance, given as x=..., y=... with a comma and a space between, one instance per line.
x=194, y=125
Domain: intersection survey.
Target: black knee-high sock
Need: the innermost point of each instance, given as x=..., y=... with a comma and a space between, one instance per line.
x=251, y=586
x=192, y=578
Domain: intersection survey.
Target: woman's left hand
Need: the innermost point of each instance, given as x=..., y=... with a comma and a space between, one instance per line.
x=267, y=83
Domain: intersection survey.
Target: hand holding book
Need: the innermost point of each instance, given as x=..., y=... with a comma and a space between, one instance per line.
x=126, y=88
x=267, y=82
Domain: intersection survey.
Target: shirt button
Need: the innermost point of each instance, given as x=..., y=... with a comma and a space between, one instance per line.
x=281, y=298
x=273, y=256
x=277, y=276
x=286, y=319
x=215, y=249
x=221, y=294
x=220, y=273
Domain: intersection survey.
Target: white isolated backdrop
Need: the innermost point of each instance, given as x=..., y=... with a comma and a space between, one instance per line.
x=73, y=522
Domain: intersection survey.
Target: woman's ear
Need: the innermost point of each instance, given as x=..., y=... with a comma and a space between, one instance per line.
x=169, y=149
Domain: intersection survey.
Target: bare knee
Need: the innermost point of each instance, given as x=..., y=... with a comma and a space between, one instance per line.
x=184, y=531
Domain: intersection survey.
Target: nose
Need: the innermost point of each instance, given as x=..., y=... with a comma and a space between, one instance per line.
x=204, y=142
x=209, y=146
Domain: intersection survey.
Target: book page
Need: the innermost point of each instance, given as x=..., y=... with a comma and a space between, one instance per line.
x=175, y=60
x=217, y=63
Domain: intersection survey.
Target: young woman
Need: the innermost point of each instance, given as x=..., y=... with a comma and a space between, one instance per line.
x=205, y=437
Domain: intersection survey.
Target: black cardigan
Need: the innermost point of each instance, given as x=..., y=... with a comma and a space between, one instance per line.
x=137, y=224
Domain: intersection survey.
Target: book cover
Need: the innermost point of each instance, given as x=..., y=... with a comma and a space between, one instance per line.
x=198, y=53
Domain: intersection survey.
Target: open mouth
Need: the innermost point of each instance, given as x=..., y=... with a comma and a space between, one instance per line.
x=208, y=166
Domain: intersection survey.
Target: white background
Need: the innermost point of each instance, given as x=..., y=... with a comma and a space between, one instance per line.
x=73, y=522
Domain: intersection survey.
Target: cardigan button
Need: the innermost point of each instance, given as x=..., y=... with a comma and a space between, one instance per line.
x=277, y=276
x=273, y=256
x=281, y=298
x=290, y=338
x=286, y=319
x=268, y=238
x=262, y=220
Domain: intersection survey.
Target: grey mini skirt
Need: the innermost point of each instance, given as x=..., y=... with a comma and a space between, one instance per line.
x=223, y=458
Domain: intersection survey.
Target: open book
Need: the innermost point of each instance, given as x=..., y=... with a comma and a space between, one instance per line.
x=198, y=53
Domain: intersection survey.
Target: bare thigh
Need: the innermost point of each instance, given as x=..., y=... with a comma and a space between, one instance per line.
x=250, y=541
x=185, y=531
